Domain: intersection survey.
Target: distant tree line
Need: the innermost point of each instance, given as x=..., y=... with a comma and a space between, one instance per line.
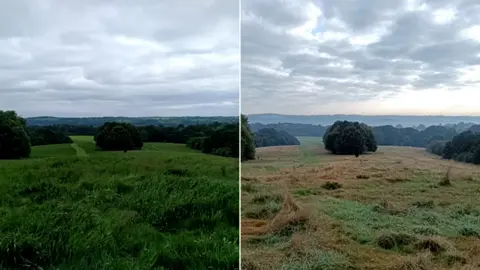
x=371, y=120
x=345, y=137
x=389, y=135
x=136, y=121
x=464, y=147
x=272, y=137
x=16, y=138
x=216, y=138
x=46, y=135
x=420, y=136
x=293, y=129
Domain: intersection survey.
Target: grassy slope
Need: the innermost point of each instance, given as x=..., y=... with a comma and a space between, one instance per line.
x=395, y=192
x=163, y=206
x=310, y=140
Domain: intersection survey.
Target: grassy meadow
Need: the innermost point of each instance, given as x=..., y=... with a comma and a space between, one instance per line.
x=163, y=207
x=399, y=208
x=309, y=140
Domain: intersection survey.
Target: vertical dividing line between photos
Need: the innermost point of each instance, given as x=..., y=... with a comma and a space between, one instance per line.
x=239, y=134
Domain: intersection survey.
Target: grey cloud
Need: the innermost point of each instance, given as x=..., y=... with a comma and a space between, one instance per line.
x=355, y=50
x=167, y=58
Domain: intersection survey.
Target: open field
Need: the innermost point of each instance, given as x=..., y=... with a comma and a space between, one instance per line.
x=164, y=207
x=309, y=140
x=303, y=208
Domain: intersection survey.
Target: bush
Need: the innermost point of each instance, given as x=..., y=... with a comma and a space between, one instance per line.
x=331, y=185
x=436, y=147
x=196, y=143
x=394, y=240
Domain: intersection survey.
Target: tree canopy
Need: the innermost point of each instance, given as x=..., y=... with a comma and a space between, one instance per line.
x=14, y=141
x=247, y=140
x=345, y=137
x=271, y=137
x=47, y=135
x=118, y=136
x=464, y=147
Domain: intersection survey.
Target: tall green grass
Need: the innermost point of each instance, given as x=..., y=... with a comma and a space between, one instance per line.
x=164, y=207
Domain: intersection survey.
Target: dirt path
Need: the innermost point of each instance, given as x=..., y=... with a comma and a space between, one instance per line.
x=80, y=151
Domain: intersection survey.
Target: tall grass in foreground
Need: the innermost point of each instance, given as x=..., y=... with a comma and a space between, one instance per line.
x=140, y=210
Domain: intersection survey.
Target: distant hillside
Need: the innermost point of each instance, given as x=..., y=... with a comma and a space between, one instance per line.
x=475, y=128
x=293, y=128
x=377, y=120
x=138, y=121
x=384, y=135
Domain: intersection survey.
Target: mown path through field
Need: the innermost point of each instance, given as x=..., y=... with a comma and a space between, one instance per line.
x=80, y=151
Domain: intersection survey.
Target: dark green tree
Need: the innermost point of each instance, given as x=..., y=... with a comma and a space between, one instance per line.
x=247, y=140
x=272, y=137
x=476, y=155
x=116, y=136
x=345, y=137
x=14, y=141
x=448, y=151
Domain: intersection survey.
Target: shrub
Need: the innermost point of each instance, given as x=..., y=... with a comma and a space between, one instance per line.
x=331, y=185
x=436, y=147
x=394, y=240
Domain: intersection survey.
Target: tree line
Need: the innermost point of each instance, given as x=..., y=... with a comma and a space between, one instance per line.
x=294, y=129
x=136, y=121
x=16, y=138
x=272, y=137
x=464, y=147
x=384, y=135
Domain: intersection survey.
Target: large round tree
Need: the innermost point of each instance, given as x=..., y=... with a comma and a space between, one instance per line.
x=115, y=136
x=345, y=137
x=14, y=141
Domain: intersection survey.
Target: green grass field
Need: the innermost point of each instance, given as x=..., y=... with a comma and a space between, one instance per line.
x=164, y=207
x=308, y=140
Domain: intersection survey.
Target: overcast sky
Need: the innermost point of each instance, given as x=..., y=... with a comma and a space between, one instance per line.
x=122, y=57
x=361, y=57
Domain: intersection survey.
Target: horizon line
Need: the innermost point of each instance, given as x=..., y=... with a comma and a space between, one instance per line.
x=375, y=115
x=191, y=116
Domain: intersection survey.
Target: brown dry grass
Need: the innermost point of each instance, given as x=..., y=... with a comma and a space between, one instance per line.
x=372, y=178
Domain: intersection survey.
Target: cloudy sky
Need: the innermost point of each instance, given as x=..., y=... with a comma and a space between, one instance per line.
x=361, y=57
x=119, y=57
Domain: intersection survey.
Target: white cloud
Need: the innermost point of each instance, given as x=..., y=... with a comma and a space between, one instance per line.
x=361, y=57
x=93, y=58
